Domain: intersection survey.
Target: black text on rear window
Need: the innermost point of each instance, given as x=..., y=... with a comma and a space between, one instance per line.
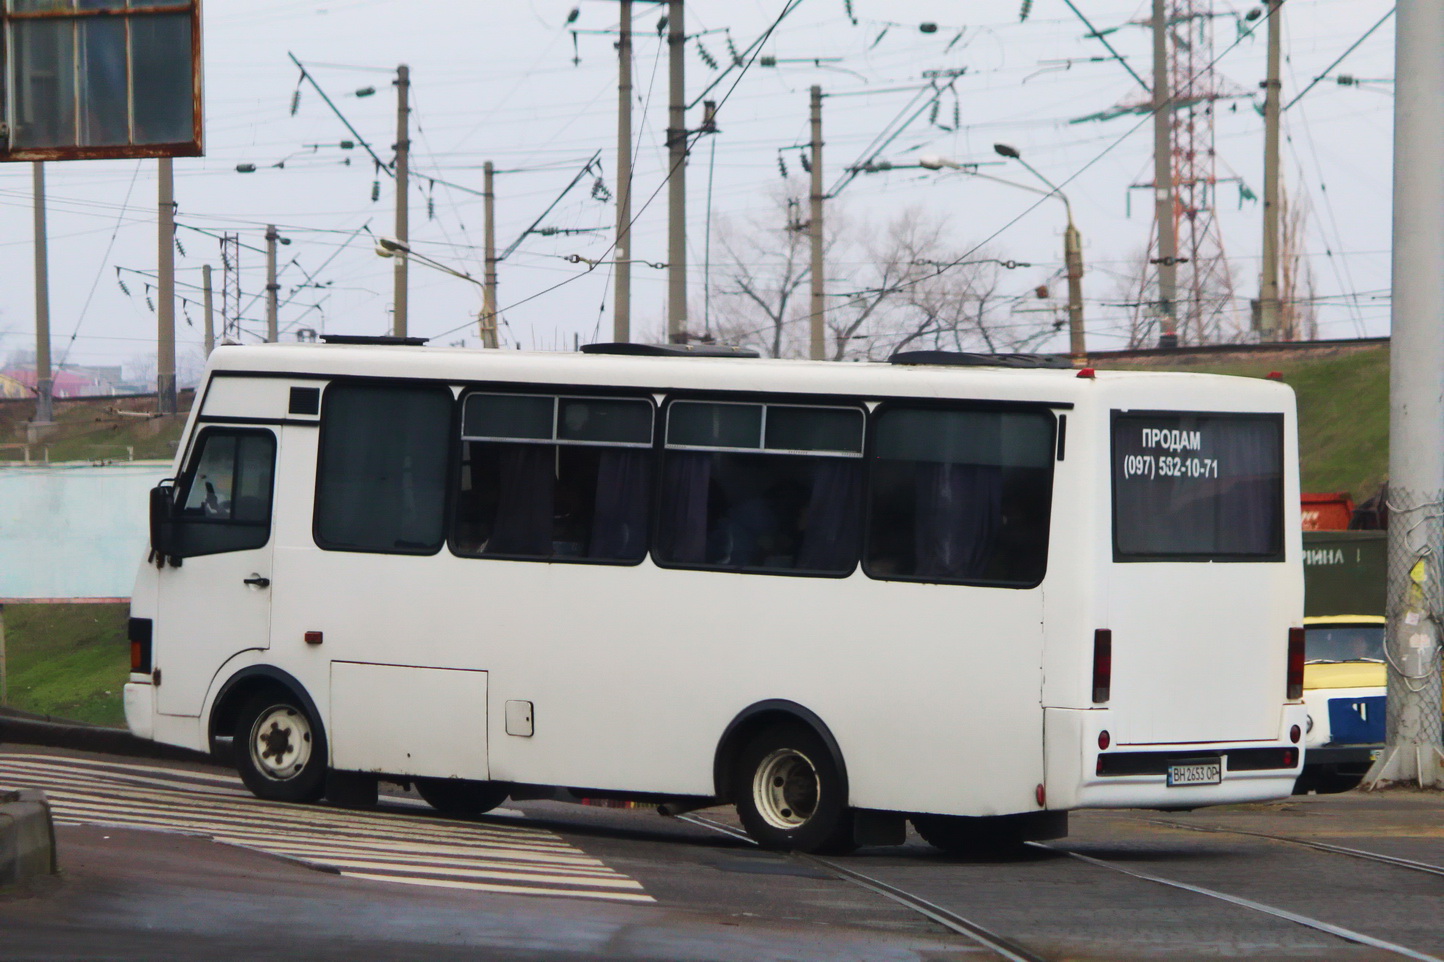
x=1197, y=487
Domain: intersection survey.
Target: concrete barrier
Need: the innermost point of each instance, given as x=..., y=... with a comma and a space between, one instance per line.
x=27, y=836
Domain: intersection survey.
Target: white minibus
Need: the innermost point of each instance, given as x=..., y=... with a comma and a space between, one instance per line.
x=973, y=592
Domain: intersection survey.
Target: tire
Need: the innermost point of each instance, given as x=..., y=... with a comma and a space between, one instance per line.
x=962, y=835
x=456, y=796
x=280, y=750
x=789, y=793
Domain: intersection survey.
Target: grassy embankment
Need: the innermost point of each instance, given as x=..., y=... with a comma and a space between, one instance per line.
x=1343, y=410
x=70, y=660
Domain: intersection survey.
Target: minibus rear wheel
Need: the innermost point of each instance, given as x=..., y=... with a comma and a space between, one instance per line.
x=280, y=749
x=963, y=835
x=457, y=796
x=789, y=792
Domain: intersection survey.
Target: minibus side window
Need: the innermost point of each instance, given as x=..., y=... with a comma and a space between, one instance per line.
x=761, y=488
x=381, y=480
x=549, y=478
x=960, y=496
x=225, y=498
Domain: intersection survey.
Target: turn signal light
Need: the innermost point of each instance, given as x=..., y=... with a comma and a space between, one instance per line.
x=139, y=631
x=1294, y=690
x=1102, y=664
x=1295, y=733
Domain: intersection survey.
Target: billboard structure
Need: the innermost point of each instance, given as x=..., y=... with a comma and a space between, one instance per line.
x=93, y=79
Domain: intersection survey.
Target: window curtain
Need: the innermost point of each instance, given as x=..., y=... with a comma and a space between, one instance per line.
x=525, y=500
x=1249, y=504
x=619, y=516
x=686, y=482
x=957, y=518
x=834, y=516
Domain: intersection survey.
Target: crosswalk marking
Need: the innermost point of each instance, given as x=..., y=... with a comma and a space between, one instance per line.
x=371, y=845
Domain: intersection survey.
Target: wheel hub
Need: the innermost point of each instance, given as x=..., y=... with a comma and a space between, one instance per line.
x=785, y=789
x=281, y=743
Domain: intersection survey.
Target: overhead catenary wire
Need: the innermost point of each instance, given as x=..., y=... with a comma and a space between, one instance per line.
x=1144, y=119
x=755, y=47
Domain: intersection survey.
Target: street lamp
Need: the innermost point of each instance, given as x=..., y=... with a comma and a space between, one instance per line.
x=391, y=247
x=1072, y=241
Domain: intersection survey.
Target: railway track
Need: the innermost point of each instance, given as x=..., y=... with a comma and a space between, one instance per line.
x=1008, y=948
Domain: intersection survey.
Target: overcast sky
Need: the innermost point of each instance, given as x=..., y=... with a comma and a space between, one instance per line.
x=507, y=82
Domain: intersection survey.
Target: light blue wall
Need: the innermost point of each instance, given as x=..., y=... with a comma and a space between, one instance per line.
x=74, y=530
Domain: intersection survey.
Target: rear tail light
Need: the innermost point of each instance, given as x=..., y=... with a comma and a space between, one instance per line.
x=1294, y=690
x=138, y=630
x=1102, y=664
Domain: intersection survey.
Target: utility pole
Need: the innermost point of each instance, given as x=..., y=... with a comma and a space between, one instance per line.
x=677, y=178
x=1268, y=291
x=622, y=311
x=44, y=381
x=403, y=196
x=1163, y=183
x=819, y=281
x=272, y=328
x=488, y=286
x=210, y=317
x=230, y=289
x=1073, y=260
x=165, y=281
x=1412, y=751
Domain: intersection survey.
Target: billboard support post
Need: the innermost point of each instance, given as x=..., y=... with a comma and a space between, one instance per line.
x=165, y=282
x=44, y=381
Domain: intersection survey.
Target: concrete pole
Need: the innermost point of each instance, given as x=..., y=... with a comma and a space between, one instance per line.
x=210, y=315
x=273, y=333
x=819, y=278
x=1163, y=183
x=622, y=311
x=1416, y=400
x=165, y=281
x=677, y=178
x=1073, y=260
x=403, y=193
x=488, y=286
x=44, y=381
x=1268, y=291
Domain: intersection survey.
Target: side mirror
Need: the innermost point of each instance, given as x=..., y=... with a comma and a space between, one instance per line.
x=162, y=524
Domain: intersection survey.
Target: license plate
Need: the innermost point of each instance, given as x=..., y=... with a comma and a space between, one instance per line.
x=1196, y=773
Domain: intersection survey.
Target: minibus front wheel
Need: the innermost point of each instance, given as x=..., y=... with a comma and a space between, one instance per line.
x=280, y=749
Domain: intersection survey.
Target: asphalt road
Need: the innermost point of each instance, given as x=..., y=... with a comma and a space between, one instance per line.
x=173, y=860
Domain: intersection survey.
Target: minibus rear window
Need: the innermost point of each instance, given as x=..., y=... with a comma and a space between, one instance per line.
x=1197, y=487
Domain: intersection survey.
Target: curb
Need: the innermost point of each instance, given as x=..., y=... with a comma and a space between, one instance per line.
x=25, y=729
x=27, y=836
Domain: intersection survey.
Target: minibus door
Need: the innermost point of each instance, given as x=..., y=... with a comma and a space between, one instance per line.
x=216, y=600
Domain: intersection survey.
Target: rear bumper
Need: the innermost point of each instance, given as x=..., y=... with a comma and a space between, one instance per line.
x=1338, y=757
x=1071, y=757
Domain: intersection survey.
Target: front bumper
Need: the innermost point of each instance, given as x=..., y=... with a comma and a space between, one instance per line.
x=1074, y=780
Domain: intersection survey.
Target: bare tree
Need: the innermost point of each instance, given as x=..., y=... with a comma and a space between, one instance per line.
x=891, y=287
x=758, y=291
